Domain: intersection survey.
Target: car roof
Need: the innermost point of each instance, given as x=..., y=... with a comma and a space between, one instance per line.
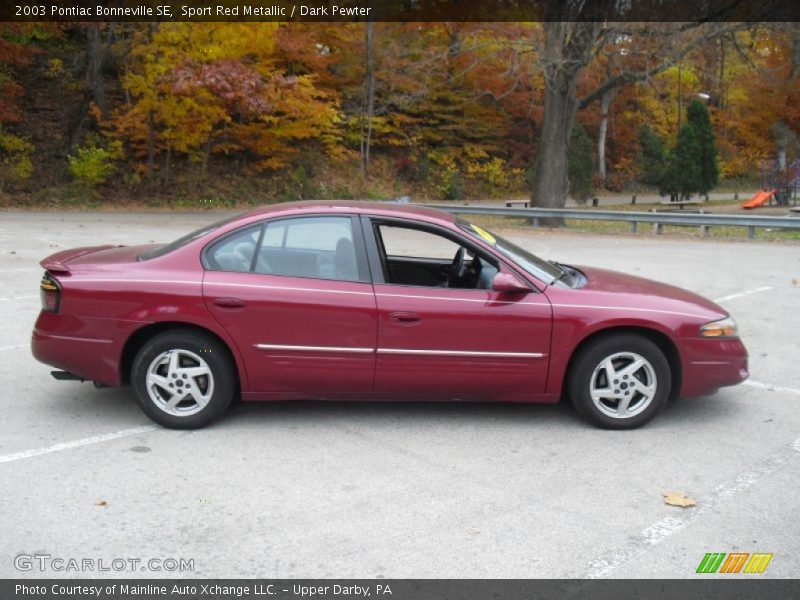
x=386, y=209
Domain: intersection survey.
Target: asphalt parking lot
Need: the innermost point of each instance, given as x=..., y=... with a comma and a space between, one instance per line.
x=401, y=490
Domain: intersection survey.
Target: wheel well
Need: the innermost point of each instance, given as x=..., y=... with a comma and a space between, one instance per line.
x=141, y=336
x=664, y=343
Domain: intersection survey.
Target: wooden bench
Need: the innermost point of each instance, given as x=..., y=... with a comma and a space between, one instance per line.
x=681, y=203
x=512, y=203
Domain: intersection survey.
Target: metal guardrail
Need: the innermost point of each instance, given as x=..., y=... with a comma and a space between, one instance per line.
x=658, y=219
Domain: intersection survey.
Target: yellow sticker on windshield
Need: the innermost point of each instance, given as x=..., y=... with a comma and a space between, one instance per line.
x=484, y=234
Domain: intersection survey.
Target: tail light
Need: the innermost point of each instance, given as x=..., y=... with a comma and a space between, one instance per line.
x=50, y=291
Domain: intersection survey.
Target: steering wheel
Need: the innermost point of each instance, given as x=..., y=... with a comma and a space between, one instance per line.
x=457, y=267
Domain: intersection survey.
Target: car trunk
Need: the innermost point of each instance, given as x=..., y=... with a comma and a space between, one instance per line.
x=66, y=260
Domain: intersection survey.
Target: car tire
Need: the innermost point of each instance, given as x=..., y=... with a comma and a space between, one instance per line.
x=183, y=379
x=619, y=381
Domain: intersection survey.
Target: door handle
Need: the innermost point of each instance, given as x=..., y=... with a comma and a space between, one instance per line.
x=229, y=302
x=405, y=318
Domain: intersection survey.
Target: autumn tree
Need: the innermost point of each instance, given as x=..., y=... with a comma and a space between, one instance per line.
x=17, y=50
x=574, y=32
x=202, y=89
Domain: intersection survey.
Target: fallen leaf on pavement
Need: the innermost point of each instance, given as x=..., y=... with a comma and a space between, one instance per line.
x=101, y=503
x=678, y=499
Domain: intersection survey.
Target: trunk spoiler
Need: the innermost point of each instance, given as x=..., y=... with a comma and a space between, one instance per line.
x=58, y=262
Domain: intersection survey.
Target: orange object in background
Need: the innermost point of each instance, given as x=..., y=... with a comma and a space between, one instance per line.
x=760, y=199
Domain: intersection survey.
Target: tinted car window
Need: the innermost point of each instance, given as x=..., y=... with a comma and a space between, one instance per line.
x=182, y=241
x=318, y=247
x=235, y=252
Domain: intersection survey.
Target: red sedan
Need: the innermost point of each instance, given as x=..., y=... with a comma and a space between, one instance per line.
x=376, y=302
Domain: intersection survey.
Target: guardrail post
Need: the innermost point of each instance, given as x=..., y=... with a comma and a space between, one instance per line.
x=633, y=226
x=633, y=199
x=656, y=228
x=704, y=230
x=535, y=221
x=751, y=232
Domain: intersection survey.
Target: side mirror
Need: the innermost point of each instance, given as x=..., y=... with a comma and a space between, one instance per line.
x=508, y=283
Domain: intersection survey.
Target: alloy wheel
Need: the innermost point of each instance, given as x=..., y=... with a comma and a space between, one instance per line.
x=623, y=385
x=179, y=382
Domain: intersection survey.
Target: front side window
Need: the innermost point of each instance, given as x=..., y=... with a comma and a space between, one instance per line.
x=420, y=257
x=543, y=270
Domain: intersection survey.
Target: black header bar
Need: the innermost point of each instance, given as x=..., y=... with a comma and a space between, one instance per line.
x=398, y=10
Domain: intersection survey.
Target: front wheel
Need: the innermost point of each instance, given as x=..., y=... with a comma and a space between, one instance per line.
x=620, y=382
x=183, y=379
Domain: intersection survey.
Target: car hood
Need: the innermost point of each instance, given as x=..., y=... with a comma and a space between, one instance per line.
x=640, y=290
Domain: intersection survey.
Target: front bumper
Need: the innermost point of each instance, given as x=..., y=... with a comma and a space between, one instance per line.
x=709, y=364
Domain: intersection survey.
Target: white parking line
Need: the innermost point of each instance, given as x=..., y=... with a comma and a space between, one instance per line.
x=661, y=530
x=17, y=298
x=772, y=388
x=96, y=439
x=13, y=347
x=766, y=288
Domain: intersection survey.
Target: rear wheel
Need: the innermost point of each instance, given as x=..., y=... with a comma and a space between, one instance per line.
x=183, y=379
x=620, y=382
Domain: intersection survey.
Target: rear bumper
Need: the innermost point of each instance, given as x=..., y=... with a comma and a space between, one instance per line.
x=88, y=348
x=709, y=364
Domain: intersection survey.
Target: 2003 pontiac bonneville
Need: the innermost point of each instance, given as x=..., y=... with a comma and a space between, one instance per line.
x=339, y=300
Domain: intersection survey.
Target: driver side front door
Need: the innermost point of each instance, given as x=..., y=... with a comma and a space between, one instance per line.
x=447, y=343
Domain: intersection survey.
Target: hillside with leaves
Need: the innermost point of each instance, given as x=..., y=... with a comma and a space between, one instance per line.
x=250, y=113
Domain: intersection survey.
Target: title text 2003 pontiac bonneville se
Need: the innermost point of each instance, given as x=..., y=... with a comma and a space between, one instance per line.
x=376, y=302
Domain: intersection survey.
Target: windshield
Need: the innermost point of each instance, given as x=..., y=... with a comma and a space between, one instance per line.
x=543, y=270
x=182, y=241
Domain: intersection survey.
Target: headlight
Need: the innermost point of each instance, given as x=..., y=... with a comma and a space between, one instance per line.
x=724, y=328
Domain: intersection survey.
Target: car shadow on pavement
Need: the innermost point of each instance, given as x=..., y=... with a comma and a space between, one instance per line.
x=411, y=413
x=120, y=405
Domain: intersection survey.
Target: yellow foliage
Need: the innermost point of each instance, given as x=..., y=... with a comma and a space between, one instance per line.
x=185, y=93
x=16, y=165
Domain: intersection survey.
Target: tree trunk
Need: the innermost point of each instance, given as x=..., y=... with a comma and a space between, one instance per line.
x=566, y=52
x=369, y=96
x=551, y=186
x=167, y=165
x=151, y=142
x=605, y=104
x=95, y=59
x=680, y=96
x=94, y=89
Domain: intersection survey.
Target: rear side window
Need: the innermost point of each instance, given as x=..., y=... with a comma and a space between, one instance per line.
x=182, y=241
x=235, y=252
x=318, y=247
x=314, y=247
